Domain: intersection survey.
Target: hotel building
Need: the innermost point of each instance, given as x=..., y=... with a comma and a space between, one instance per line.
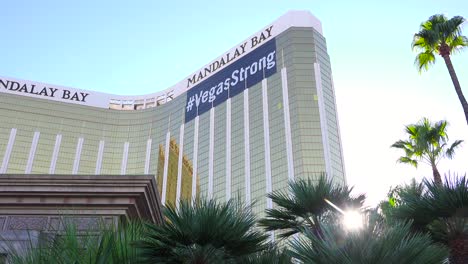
x=243, y=125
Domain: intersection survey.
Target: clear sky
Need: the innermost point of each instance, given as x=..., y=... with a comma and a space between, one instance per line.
x=140, y=47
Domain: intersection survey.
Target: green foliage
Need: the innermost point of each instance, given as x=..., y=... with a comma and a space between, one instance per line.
x=442, y=209
x=304, y=206
x=212, y=232
x=427, y=142
x=206, y=232
x=396, y=197
x=84, y=247
x=395, y=244
x=271, y=255
x=438, y=35
x=442, y=36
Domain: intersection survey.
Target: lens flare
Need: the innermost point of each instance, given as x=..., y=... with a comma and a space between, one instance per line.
x=352, y=220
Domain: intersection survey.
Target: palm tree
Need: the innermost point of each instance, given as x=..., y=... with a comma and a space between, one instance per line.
x=426, y=143
x=395, y=198
x=442, y=210
x=443, y=36
x=207, y=232
x=304, y=205
x=271, y=255
x=71, y=246
x=388, y=245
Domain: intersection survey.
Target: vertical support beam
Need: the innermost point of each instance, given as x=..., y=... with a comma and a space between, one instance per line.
x=76, y=163
x=148, y=155
x=228, y=149
x=211, y=154
x=166, y=167
x=55, y=153
x=323, y=119
x=123, y=165
x=195, y=159
x=343, y=167
x=9, y=148
x=32, y=152
x=179, y=166
x=247, y=147
x=266, y=138
x=99, y=157
x=287, y=124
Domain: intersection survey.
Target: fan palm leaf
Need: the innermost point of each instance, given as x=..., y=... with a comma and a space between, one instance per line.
x=443, y=210
x=304, y=206
x=390, y=245
x=206, y=232
x=271, y=255
x=72, y=246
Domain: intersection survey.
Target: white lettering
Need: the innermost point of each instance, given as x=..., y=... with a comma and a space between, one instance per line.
x=212, y=94
x=271, y=60
x=227, y=84
x=204, y=97
x=234, y=77
x=197, y=98
x=253, y=68
x=220, y=88
x=241, y=74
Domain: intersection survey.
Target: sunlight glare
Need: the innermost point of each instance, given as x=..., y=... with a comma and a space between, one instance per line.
x=352, y=220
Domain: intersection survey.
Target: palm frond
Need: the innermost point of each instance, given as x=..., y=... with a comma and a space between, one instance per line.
x=451, y=28
x=271, y=255
x=425, y=40
x=412, y=130
x=407, y=160
x=437, y=34
x=426, y=142
x=406, y=145
x=396, y=244
x=458, y=44
x=205, y=230
x=450, y=152
x=281, y=220
x=303, y=205
x=424, y=60
x=70, y=245
x=450, y=199
x=439, y=207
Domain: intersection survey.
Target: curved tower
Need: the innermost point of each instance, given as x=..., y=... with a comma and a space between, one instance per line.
x=261, y=114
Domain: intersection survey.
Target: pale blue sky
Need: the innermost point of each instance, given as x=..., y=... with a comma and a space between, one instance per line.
x=140, y=47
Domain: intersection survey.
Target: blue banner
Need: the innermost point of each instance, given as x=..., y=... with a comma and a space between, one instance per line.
x=232, y=80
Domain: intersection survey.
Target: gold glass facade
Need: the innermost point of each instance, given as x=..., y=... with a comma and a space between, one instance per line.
x=297, y=103
x=186, y=174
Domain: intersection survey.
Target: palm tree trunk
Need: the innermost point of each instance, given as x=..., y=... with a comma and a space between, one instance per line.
x=459, y=250
x=456, y=83
x=436, y=174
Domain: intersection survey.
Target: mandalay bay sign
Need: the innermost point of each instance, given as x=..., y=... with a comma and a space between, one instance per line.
x=232, y=80
x=244, y=65
x=45, y=91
